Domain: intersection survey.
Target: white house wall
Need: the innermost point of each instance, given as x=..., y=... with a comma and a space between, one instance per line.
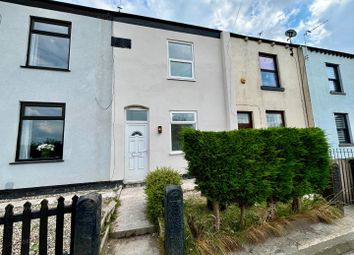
x=141, y=78
x=86, y=90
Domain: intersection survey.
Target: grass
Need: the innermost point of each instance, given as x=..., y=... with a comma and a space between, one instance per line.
x=201, y=239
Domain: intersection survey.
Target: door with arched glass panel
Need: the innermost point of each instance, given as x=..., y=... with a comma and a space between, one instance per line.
x=136, y=145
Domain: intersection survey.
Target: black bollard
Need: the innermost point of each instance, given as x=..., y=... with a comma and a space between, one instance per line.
x=88, y=225
x=174, y=231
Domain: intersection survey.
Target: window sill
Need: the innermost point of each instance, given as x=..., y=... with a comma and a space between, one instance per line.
x=346, y=145
x=337, y=93
x=181, y=79
x=36, y=161
x=173, y=153
x=279, y=89
x=46, y=68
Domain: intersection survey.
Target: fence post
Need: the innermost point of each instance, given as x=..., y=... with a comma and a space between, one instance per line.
x=174, y=231
x=337, y=186
x=87, y=225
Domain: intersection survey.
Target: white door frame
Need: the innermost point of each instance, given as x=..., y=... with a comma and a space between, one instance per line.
x=126, y=139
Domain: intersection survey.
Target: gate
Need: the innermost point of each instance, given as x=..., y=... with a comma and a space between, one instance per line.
x=342, y=169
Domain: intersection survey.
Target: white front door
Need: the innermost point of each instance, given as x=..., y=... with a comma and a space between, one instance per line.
x=136, y=152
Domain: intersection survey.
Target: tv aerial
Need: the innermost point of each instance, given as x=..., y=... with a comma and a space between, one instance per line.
x=290, y=33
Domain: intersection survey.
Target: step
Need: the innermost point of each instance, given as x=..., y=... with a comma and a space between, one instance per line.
x=132, y=230
x=138, y=245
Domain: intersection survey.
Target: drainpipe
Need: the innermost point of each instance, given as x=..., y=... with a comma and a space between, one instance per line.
x=305, y=87
x=229, y=86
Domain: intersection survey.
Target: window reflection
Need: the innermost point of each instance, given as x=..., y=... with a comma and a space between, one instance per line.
x=41, y=134
x=49, y=44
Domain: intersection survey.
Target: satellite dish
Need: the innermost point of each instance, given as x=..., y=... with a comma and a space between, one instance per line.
x=290, y=33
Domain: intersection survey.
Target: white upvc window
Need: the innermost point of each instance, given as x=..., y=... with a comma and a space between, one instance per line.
x=180, y=60
x=181, y=120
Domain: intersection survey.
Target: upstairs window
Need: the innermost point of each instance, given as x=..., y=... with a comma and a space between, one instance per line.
x=341, y=120
x=333, y=78
x=49, y=44
x=269, y=72
x=275, y=119
x=180, y=60
x=181, y=120
x=41, y=132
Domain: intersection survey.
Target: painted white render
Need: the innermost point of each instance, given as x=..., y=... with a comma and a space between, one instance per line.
x=86, y=90
x=141, y=79
x=325, y=104
x=250, y=97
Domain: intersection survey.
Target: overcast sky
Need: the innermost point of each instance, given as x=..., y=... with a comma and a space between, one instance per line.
x=266, y=18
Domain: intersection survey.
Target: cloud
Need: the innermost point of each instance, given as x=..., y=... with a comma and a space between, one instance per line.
x=268, y=18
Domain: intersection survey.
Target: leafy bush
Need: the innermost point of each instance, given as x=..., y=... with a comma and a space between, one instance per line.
x=155, y=189
x=256, y=165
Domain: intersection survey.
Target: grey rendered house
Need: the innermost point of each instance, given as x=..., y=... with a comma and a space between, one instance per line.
x=55, y=92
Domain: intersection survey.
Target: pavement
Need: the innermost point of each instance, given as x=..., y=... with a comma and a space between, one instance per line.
x=311, y=239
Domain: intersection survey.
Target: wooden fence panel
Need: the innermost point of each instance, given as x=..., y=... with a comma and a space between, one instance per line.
x=26, y=229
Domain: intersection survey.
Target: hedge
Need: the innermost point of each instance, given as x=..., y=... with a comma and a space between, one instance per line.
x=257, y=165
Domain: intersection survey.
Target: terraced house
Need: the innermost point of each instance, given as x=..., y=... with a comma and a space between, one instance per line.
x=268, y=84
x=330, y=80
x=55, y=89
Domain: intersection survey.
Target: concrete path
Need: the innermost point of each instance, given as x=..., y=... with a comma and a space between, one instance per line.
x=131, y=213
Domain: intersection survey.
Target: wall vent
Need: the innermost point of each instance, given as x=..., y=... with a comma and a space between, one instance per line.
x=121, y=43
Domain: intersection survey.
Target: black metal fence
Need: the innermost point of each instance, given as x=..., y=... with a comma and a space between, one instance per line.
x=343, y=172
x=84, y=213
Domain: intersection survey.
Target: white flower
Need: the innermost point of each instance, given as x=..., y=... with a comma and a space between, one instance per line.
x=45, y=146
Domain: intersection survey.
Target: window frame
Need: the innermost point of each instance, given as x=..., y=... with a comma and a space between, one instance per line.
x=282, y=113
x=346, y=120
x=276, y=72
x=338, y=80
x=250, y=115
x=32, y=30
x=169, y=60
x=22, y=117
x=195, y=122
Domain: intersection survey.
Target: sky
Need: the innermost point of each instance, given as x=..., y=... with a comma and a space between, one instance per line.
x=320, y=23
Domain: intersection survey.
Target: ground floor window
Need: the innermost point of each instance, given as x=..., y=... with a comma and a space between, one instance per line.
x=244, y=120
x=341, y=120
x=41, y=131
x=275, y=119
x=181, y=120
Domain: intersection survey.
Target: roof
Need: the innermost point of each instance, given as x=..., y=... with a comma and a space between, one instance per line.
x=154, y=22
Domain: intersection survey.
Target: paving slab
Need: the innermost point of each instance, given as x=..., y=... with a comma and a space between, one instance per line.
x=132, y=220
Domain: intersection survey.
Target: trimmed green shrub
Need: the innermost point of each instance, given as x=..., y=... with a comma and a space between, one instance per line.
x=155, y=183
x=256, y=165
